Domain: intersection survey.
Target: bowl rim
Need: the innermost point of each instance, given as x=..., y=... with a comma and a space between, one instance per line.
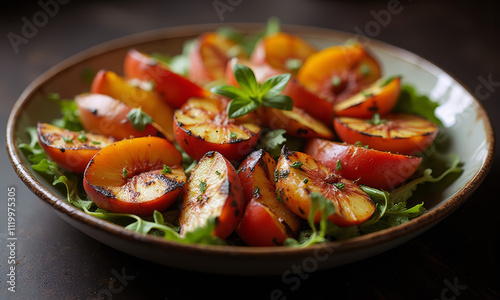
x=379, y=237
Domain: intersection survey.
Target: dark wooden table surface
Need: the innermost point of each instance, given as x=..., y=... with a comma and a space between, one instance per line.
x=457, y=259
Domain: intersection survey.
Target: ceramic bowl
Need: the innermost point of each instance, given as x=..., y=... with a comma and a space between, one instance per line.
x=466, y=125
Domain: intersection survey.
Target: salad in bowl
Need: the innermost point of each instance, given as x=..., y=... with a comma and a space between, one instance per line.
x=245, y=140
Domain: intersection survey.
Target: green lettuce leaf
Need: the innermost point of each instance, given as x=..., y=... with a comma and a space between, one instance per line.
x=412, y=102
x=70, y=115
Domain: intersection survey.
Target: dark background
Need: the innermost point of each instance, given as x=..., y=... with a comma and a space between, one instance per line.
x=55, y=261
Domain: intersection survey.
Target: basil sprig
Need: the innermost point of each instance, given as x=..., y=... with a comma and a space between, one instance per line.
x=251, y=94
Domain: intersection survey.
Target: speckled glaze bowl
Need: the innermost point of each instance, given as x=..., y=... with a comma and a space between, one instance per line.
x=466, y=125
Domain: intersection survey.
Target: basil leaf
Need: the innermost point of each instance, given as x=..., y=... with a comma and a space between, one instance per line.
x=246, y=79
x=274, y=85
x=240, y=107
x=252, y=94
x=282, y=102
x=229, y=91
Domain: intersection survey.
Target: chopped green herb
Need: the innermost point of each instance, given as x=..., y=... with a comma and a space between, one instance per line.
x=139, y=119
x=284, y=173
x=365, y=70
x=276, y=176
x=296, y=165
x=366, y=94
x=82, y=137
x=338, y=165
x=376, y=120
x=336, y=81
x=256, y=192
x=280, y=199
x=293, y=64
x=388, y=80
x=339, y=185
x=166, y=170
x=124, y=173
x=234, y=51
x=67, y=140
x=217, y=173
x=96, y=142
x=233, y=135
x=203, y=186
x=306, y=180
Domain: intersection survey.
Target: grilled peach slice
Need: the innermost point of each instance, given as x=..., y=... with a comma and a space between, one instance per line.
x=296, y=122
x=338, y=72
x=209, y=56
x=202, y=125
x=317, y=107
x=266, y=221
x=213, y=190
x=378, y=169
x=173, y=88
x=282, y=51
x=380, y=97
x=71, y=150
x=136, y=176
x=117, y=87
x=396, y=132
x=104, y=115
x=300, y=175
